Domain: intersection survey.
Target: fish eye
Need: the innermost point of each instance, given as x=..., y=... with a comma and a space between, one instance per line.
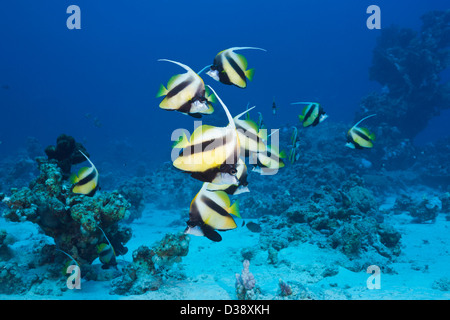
x=233, y=171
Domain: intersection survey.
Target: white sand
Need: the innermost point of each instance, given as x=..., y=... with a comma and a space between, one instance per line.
x=210, y=267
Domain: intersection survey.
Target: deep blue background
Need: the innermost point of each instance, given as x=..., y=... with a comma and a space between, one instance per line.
x=51, y=76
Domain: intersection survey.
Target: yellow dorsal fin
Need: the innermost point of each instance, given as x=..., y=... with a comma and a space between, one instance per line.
x=172, y=80
x=243, y=60
x=199, y=132
x=82, y=172
x=222, y=195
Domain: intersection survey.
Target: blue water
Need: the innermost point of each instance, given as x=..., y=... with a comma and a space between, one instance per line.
x=318, y=51
x=99, y=84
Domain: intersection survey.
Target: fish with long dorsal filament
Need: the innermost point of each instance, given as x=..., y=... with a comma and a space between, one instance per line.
x=230, y=67
x=312, y=114
x=212, y=153
x=359, y=138
x=106, y=253
x=186, y=93
x=210, y=211
x=86, y=180
x=251, y=139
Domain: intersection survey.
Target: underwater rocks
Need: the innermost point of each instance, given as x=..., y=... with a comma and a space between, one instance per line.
x=408, y=64
x=133, y=191
x=425, y=209
x=71, y=220
x=345, y=219
x=151, y=266
x=442, y=284
x=66, y=153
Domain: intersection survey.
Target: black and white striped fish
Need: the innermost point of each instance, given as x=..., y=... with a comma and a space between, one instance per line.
x=231, y=68
x=212, y=153
x=312, y=114
x=359, y=138
x=268, y=162
x=186, y=93
x=86, y=181
x=211, y=211
x=106, y=253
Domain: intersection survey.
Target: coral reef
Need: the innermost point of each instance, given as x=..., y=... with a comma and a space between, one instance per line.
x=66, y=153
x=285, y=289
x=425, y=209
x=442, y=284
x=344, y=218
x=151, y=266
x=245, y=284
x=133, y=190
x=408, y=64
x=71, y=220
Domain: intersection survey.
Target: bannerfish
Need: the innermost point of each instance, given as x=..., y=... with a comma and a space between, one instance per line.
x=186, y=93
x=312, y=114
x=211, y=211
x=294, y=136
x=68, y=263
x=260, y=121
x=212, y=153
x=106, y=253
x=293, y=155
x=250, y=137
x=233, y=189
x=231, y=68
x=86, y=181
x=268, y=162
x=359, y=138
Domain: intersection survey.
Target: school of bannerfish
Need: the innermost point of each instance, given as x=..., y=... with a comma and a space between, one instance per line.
x=217, y=155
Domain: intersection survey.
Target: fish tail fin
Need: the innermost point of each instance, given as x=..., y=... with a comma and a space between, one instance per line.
x=372, y=136
x=234, y=209
x=73, y=178
x=283, y=154
x=162, y=91
x=211, y=97
x=301, y=117
x=250, y=73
